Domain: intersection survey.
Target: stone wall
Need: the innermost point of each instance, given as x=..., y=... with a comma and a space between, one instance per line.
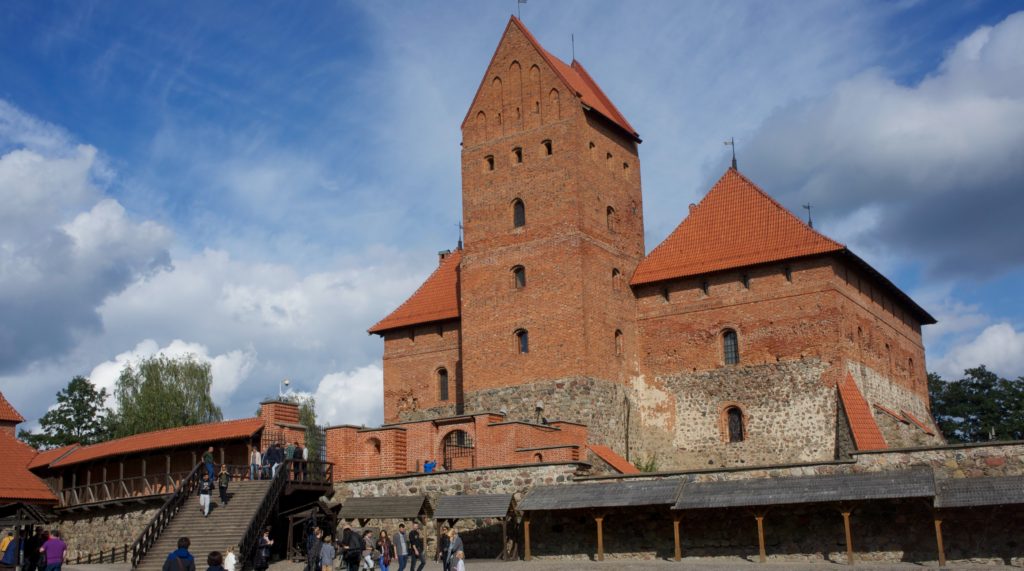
x=94, y=532
x=878, y=389
x=481, y=536
x=788, y=415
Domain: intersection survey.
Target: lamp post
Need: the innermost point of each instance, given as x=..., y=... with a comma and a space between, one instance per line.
x=282, y=386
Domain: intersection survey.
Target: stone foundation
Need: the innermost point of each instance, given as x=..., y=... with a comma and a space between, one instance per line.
x=91, y=533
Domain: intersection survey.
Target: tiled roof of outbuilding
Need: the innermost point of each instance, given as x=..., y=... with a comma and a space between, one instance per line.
x=17, y=484
x=736, y=224
x=866, y=434
x=612, y=459
x=160, y=439
x=8, y=412
x=436, y=300
x=47, y=457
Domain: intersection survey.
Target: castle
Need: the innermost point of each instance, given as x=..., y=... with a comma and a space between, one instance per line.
x=745, y=338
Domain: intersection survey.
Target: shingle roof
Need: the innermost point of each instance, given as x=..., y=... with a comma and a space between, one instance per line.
x=736, y=224
x=170, y=438
x=16, y=482
x=8, y=413
x=976, y=492
x=914, y=483
x=612, y=459
x=576, y=78
x=866, y=434
x=470, y=507
x=610, y=495
x=436, y=300
x=46, y=457
x=917, y=422
x=384, y=507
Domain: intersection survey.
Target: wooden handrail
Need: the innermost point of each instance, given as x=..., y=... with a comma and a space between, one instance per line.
x=166, y=513
x=250, y=540
x=124, y=488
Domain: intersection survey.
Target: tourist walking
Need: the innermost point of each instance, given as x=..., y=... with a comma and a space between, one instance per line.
x=180, y=559
x=205, y=489
x=351, y=549
x=215, y=561
x=208, y=461
x=276, y=460
x=417, y=552
x=386, y=548
x=230, y=559
x=255, y=463
x=401, y=547
x=32, y=545
x=223, y=479
x=367, y=543
x=454, y=546
x=327, y=553
x=442, y=547
x=313, y=544
x=9, y=551
x=261, y=560
x=297, y=463
x=460, y=563
x=53, y=551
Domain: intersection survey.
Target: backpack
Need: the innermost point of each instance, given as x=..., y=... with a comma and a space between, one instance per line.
x=297, y=453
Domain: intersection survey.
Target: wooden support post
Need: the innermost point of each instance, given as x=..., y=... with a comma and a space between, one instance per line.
x=145, y=480
x=222, y=455
x=675, y=532
x=849, y=536
x=120, y=470
x=600, y=536
x=526, y=537
x=760, y=537
x=938, y=541
x=504, y=539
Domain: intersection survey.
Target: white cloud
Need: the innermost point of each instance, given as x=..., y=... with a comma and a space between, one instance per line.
x=352, y=397
x=999, y=347
x=228, y=369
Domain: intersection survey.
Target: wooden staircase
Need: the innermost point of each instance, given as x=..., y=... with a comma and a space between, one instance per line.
x=224, y=527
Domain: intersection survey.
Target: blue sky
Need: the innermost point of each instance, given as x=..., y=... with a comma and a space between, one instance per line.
x=258, y=183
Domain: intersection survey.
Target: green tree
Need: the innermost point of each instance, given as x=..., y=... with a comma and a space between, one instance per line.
x=980, y=406
x=160, y=392
x=79, y=417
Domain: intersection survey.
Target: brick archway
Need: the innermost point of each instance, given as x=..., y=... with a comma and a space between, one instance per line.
x=458, y=451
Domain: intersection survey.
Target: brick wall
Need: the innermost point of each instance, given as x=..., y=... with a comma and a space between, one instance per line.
x=413, y=358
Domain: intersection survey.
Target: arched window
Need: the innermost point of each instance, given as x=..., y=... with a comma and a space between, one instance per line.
x=518, y=213
x=518, y=277
x=618, y=342
x=538, y=457
x=610, y=218
x=616, y=279
x=517, y=154
x=547, y=146
x=625, y=168
x=522, y=341
x=489, y=162
x=734, y=418
x=730, y=347
x=591, y=148
x=442, y=383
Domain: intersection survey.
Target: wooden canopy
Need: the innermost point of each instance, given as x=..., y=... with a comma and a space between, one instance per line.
x=385, y=507
x=602, y=495
x=473, y=507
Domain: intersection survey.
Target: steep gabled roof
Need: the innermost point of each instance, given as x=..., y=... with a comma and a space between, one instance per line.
x=866, y=434
x=17, y=484
x=8, y=413
x=575, y=77
x=161, y=439
x=736, y=224
x=436, y=300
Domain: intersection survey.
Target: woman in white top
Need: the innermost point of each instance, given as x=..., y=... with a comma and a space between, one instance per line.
x=230, y=560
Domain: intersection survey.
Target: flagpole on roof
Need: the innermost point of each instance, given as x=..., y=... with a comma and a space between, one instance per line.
x=518, y=4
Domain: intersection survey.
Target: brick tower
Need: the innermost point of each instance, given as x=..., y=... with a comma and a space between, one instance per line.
x=553, y=228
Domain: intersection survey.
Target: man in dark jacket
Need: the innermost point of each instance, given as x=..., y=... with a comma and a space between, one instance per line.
x=32, y=545
x=180, y=559
x=352, y=548
x=416, y=545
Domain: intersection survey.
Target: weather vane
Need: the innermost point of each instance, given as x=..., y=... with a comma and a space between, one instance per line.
x=810, y=222
x=732, y=143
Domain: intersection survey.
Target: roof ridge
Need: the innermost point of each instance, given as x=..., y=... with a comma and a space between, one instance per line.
x=781, y=207
x=600, y=94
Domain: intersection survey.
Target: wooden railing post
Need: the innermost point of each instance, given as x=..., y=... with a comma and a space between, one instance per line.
x=675, y=532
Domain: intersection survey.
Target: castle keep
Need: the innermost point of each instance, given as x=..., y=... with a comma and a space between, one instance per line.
x=746, y=337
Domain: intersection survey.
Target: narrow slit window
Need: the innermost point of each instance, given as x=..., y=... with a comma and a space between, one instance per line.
x=518, y=213
x=517, y=155
x=547, y=147
x=788, y=272
x=734, y=417
x=730, y=347
x=618, y=343
x=616, y=279
x=518, y=277
x=442, y=383
x=610, y=218
x=705, y=287
x=745, y=280
x=522, y=341
x=489, y=162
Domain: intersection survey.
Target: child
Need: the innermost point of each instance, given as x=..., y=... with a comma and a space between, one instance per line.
x=230, y=559
x=205, y=489
x=222, y=484
x=460, y=564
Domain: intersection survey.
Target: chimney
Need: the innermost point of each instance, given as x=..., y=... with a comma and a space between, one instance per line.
x=442, y=255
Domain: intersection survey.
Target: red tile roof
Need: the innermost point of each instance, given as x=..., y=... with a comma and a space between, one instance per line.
x=170, y=438
x=436, y=300
x=17, y=484
x=866, y=434
x=576, y=78
x=47, y=457
x=919, y=424
x=736, y=224
x=893, y=414
x=614, y=460
x=8, y=413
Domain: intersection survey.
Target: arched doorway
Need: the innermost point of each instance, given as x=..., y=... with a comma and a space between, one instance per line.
x=457, y=451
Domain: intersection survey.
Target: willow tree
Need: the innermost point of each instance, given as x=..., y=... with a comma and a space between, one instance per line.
x=162, y=392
